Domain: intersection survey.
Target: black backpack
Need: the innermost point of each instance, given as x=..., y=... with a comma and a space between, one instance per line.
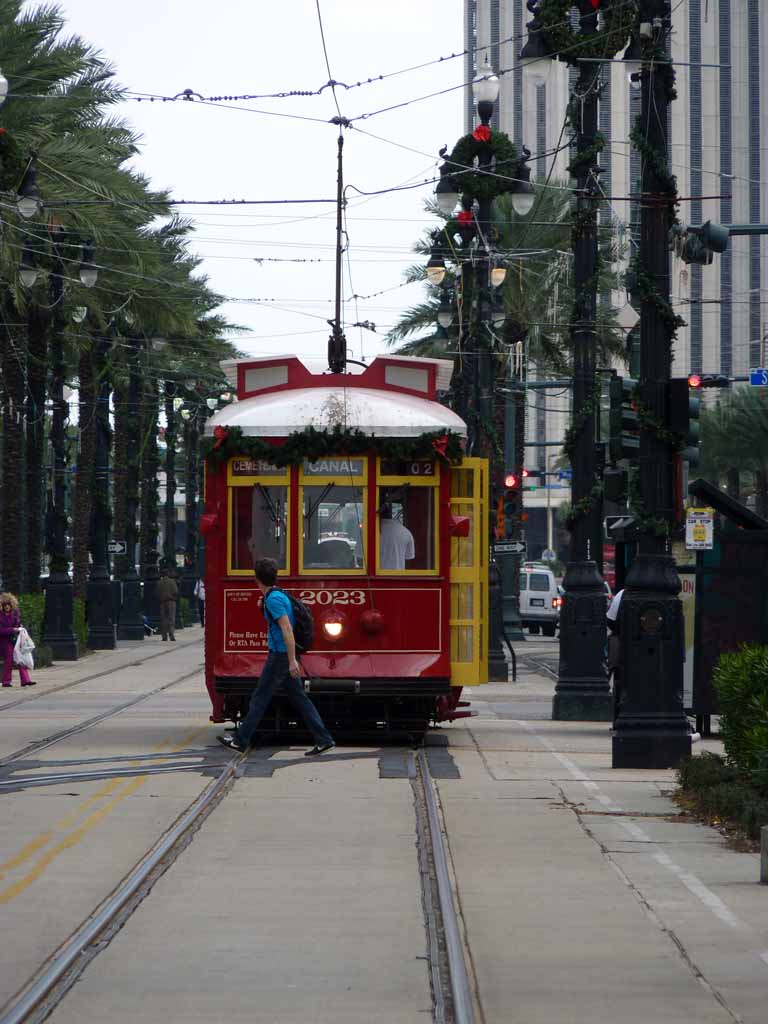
x=303, y=623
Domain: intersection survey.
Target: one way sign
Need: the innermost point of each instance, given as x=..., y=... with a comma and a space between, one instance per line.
x=117, y=547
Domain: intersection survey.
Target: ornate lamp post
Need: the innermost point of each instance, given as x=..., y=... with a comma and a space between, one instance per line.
x=582, y=691
x=482, y=166
x=651, y=729
x=131, y=626
x=57, y=632
x=149, y=529
x=191, y=431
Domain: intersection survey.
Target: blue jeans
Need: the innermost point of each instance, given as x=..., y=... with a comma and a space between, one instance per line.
x=275, y=674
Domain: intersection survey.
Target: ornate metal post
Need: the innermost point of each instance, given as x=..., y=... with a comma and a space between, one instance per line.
x=149, y=530
x=191, y=457
x=101, y=617
x=131, y=625
x=58, y=632
x=651, y=729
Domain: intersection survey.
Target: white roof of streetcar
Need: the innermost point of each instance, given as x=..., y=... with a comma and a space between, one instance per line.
x=282, y=396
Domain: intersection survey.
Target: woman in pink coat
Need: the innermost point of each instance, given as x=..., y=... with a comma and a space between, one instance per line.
x=10, y=620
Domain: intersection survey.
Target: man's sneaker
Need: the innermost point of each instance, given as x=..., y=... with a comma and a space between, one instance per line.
x=320, y=749
x=231, y=743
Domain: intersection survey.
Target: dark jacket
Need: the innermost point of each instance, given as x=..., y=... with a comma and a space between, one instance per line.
x=9, y=623
x=167, y=589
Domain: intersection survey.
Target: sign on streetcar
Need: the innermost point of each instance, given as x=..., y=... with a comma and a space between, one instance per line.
x=699, y=529
x=758, y=377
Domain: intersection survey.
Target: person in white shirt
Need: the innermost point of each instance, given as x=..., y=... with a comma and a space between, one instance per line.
x=396, y=545
x=200, y=595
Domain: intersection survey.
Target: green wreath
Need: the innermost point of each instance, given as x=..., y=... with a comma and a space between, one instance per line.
x=619, y=18
x=475, y=183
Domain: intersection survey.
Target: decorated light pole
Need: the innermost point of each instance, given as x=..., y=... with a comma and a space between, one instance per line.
x=101, y=619
x=482, y=166
x=131, y=626
x=652, y=730
x=582, y=691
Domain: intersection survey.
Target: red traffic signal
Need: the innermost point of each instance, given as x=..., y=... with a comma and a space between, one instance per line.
x=510, y=480
x=694, y=380
x=708, y=380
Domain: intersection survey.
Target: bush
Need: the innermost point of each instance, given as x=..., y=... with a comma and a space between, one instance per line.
x=740, y=680
x=186, y=613
x=704, y=771
x=32, y=608
x=80, y=625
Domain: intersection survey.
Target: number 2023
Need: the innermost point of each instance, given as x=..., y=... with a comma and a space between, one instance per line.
x=356, y=597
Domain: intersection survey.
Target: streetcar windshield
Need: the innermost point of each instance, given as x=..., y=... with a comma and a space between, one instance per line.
x=258, y=525
x=406, y=528
x=333, y=527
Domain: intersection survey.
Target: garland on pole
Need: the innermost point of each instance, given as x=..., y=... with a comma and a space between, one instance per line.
x=474, y=183
x=311, y=445
x=618, y=20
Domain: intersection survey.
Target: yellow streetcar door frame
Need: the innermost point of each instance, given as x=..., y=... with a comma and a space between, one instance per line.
x=469, y=575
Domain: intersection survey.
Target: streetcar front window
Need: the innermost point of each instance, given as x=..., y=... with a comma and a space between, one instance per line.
x=333, y=527
x=258, y=525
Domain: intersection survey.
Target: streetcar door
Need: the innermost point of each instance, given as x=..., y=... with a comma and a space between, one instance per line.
x=469, y=575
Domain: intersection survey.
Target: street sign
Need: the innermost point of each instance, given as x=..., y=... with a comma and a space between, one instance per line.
x=548, y=555
x=117, y=547
x=699, y=529
x=565, y=474
x=758, y=378
x=509, y=547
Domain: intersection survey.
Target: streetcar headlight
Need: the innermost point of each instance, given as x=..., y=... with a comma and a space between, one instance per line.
x=333, y=629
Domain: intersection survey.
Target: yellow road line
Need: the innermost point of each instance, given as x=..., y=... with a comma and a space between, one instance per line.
x=12, y=891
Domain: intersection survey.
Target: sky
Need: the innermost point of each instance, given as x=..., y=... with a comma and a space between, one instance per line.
x=278, y=149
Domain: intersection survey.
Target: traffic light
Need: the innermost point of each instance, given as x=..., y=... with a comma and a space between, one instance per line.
x=624, y=436
x=683, y=416
x=531, y=479
x=708, y=380
x=512, y=502
x=699, y=244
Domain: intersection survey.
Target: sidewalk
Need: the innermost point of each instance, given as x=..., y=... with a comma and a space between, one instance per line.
x=97, y=663
x=587, y=896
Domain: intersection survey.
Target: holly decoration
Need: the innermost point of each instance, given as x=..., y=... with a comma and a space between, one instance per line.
x=311, y=445
x=618, y=20
x=467, y=151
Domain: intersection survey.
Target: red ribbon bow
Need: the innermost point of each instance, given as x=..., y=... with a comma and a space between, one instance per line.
x=595, y=4
x=440, y=444
x=464, y=217
x=483, y=133
x=221, y=434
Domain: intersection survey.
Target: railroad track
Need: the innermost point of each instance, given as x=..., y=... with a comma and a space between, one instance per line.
x=452, y=991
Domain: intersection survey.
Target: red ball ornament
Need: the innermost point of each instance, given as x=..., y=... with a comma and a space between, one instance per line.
x=465, y=217
x=482, y=133
x=372, y=621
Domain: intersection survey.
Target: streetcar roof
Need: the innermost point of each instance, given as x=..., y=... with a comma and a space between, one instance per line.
x=393, y=397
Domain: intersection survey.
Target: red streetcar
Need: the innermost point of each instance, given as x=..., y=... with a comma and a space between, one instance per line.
x=356, y=485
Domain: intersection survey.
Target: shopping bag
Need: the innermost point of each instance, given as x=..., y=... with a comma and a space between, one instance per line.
x=23, y=648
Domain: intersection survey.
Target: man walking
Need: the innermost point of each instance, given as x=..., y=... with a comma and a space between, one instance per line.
x=168, y=595
x=280, y=669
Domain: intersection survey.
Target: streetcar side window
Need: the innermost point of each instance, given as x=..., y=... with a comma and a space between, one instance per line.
x=406, y=524
x=259, y=525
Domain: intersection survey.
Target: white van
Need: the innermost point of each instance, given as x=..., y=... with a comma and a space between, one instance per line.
x=539, y=599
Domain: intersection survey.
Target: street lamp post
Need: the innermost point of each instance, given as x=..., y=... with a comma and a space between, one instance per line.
x=101, y=617
x=149, y=528
x=482, y=166
x=131, y=625
x=582, y=692
x=191, y=432
x=652, y=730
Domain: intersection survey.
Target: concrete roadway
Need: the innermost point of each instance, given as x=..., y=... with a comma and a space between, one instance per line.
x=585, y=898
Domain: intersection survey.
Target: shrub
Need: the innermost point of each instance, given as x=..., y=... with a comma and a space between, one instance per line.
x=80, y=625
x=705, y=770
x=186, y=613
x=32, y=608
x=741, y=682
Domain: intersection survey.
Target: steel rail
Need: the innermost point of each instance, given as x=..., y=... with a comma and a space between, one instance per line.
x=37, y=988
x=27, y=699
x=463, y=1005
x=97, y=774
x=48, y=741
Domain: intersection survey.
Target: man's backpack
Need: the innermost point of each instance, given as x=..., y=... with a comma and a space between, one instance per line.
x=303, y=623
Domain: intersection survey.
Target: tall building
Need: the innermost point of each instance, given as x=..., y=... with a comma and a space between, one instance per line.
x=718, y=131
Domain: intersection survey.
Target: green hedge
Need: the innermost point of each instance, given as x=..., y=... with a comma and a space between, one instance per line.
x=186, y=613
x=31, y=608
x=716, y=789
x=80, y=625
x=740, y=680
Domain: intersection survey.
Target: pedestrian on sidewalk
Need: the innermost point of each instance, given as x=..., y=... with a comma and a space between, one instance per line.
x=200, y=595
x=614, y=649
x=168, y=595
x=281, y=668
x=10, y=623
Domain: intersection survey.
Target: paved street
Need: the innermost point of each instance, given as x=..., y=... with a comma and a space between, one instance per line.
x=580, y=888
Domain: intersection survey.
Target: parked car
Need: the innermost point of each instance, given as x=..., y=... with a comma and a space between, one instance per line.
x=539, y=600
